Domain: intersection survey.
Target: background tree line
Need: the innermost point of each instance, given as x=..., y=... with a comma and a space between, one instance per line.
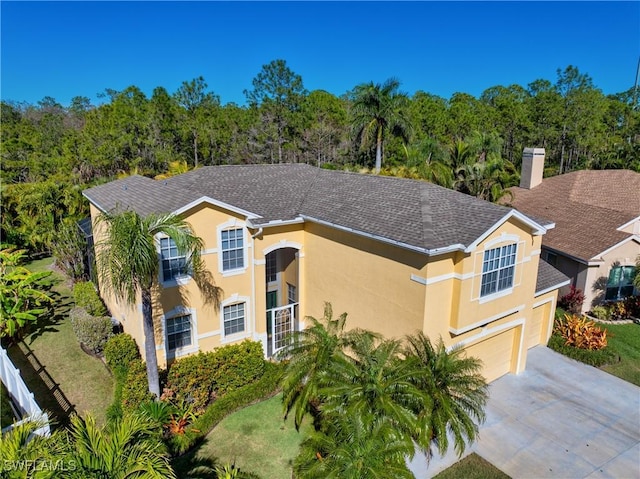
x=50, y=153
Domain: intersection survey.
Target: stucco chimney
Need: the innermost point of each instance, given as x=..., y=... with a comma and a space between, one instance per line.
x=532, y=167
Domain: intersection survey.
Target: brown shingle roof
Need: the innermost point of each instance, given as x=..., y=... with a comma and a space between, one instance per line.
x=415, y=213
x=587, y=207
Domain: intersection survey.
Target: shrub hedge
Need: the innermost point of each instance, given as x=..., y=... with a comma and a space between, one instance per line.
x=135, y=389
x=120, y=351
x=197, y=379
x=592, y=357
x=86, y=296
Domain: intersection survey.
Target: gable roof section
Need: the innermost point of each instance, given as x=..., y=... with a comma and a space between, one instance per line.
x=411, y=213
x=587, y=206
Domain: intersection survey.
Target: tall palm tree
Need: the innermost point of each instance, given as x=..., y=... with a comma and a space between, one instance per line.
x=379, y=110
x=128, y=265
x=127, y=448
x=456, y=390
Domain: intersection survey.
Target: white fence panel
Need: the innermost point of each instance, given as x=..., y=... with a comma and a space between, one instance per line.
x=19, y=392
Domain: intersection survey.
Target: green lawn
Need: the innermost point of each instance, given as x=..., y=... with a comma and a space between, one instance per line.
x=257, y=440
x=472, y=467
x=62, y=377
x=624, y=339
x=6, y=413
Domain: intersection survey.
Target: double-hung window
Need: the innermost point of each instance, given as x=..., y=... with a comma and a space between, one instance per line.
x=173, y=263
x=178, y=331
x=233, y=318
x=497, y=269
x=232, y=249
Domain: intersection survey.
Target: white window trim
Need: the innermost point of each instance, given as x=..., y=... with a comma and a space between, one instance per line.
x=247, y=333
x=181, y=280
x=179, y=352
x=508, y=240
x=233, y=223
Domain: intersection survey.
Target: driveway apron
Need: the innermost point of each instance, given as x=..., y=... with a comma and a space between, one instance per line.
x=558, y=419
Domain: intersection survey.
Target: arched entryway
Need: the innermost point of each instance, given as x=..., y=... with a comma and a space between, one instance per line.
x=282, y=286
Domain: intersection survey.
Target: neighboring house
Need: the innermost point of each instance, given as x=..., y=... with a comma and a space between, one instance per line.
x=397, y=255
x=597, y=215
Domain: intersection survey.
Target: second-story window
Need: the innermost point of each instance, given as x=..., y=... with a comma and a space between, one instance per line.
x=497, y=269
x=173, y=263
x=232, y=249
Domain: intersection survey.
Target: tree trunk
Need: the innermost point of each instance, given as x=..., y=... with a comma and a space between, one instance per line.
x=379, y=154
x=150, y=344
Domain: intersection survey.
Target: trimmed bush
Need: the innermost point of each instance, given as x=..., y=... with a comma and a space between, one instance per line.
x=120, y=351
x=135, y=389
x=86, y=296
x=91, y=331
x=191, y=380
x=197, y=379
x=236, y=365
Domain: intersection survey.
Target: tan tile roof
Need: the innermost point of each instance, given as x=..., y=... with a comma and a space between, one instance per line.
x=587, y=207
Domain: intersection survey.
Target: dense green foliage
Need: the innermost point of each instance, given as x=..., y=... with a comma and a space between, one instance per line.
x=24, y=296
x=120, y=351
x=135, y=390
x=50, y=152
x=86, y=296
x=374, y=400
x=197, y=378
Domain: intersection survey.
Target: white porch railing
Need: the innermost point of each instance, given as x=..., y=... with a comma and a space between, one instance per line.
x=282, y=322
x=20, y=394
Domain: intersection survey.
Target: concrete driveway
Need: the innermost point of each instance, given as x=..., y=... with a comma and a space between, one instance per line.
x=558, y=419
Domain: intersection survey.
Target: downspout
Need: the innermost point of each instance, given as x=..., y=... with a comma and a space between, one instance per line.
x=253, y=285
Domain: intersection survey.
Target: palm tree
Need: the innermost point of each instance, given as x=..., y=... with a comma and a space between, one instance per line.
x=355, y=447
x=379, y=110
x=128, y=265
x=310, y=353
x=456, y=390
x=21, y=446
x=127, y=448
x=373, y=379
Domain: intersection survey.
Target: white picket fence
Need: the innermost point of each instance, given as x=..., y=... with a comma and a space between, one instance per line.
x=22, y=397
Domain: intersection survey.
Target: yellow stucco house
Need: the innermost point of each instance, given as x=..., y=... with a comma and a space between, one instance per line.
x=398, y=255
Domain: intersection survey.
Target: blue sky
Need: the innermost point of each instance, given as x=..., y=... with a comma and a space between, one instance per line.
x=64, y=49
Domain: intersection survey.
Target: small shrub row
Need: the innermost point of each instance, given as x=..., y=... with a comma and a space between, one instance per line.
x=581, y=333
x=265, y=387
x=592, y=357
x=121, y=355
x=615, y=311
x=135, y=390
x=86, y=296
x=199, y=378
x=92, y=332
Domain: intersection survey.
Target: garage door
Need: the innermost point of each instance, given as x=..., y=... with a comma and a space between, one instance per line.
x=496, y=352
x=534, y=326
x=538, y=325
